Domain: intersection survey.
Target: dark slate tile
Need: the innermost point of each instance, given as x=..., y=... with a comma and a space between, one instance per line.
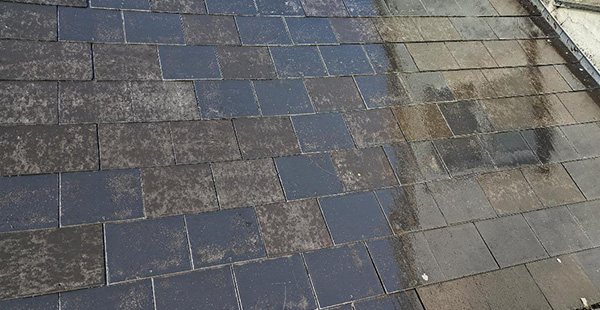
x=582, y=105
x=280, y=7
x=206, y=289
x=466, y=117
x=460, y=251
x=38, y=107
x=334, y=94
x=237, y=62
x=65, y=148
x=415, y=162
x=264, y=137
x=134, y=295
x=292, y=227
x=363, y=169
x=509, y=192
x=135, y=145
x=391, y=57
x=204, y=141
x=188, y=62
x=44, y=302
x=223, y=237
x=324, y=8
x=342, y=274
x=374, y=127
x=282, y=97
x=126, y=62
x=404, y=262
x=508, y=149
x=461, y=200
x=404, y=300
x=406, y=7
x=262, y=30
x=146, y=248
x=28, y=202
x=79, y=3
x=585, y=174
x=382, y=90
x=422, y=122
x=88, y=197
x=322, y=132
x=398, y=29
x=585, y=138
x=550, y=145
x=552, y=185
x=307, y=176
x=298, y=61
x=464, y=155
x=345, y=59
x=311, y=30
x=410, y=208
x=142, y=27
x=355, y=30
x=231, y=7
x=427, y=87
x=354, y=217
x=432, y=56
x=210, y=30
x=473, y=28
x=120, y=4
x=29, y=60
x=271, y=284
x=27, y=22
x=247, y=183
x=179, y=6
x=469, y=84
x=51, y=260
x=588, y=214
x=588, y=260
x=78, y=24
x=366, y=7
x=226, y=99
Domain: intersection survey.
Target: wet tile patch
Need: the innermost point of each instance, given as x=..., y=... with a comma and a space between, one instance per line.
x=374, y=127
x=345, y=60
x=322, y=132
x=508, y=149
x=461, y=199
x=382, y=90
x=363, y=169
x=306, y=176
x=422, y=122
x=509, y=192
x=464, y=155
x=466, y=117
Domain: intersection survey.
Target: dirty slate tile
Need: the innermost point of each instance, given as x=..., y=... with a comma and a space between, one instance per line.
x=550, y=144
x=404, y=300
x=409, y=208
x=88, y=197
x=460, y=251
x=469, y=84
x=223, y=237
x=311, y=30
x=587, y=214
x=31, y=60
x=334, y=94
x=245, y=62
x=390, y=57
x=514, y=27
x=415, y=162
x=126, y=62
x=264, y=137
x=210, y=30
x=473, y=28
x=404, y=262
x=231, y=7
x=509, y=7
x=584, y=173
x=398, y=29
x=298, y=61
x=354, y=30
x=432, y=56
x=226, y=99
x=135, y=294
x=422, y=122
x=442, y=8
x=66, y=148
x=466, y=117
x=180, y=6
x=582, y=105
x=205, y=289
x=247, y=183
x=27, y=22
x=461, y=199
x=43, y=302
x=508, y=149
x=262, y=30
x=464, y=155
x=38, y=107
x=119, y=4
x=374, y=127
x=553, y=185
x=78, y=24
x=508, y=192
x=276, y=7
x=405, y=7
x=363, y=169
x=471, y=54
x=142, y=27
x=292, y=227
x=188, y=62
x=476, y=8
x=282, y=97
x=507, y=53
x=146, y=248
x=345, y=59
x=511, y=240
x=271, y=284
x=382, y=90
x=305, y=176
x=135, y=145
x=342, y=274
x=436, y=29
x=354, y=217
x=322, y=132
x=570, y=73
x=427, y=87
x=585, y=138
x=160, y=101
x=324, y=8
x=366, y=7
x=542, y=52
x=71, y=258
x=588, y=260
x=28, y=202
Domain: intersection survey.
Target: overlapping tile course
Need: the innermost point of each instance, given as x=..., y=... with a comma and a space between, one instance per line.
x=304, y=154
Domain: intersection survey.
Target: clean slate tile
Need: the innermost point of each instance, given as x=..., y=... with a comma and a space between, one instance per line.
x=362, y=169
x=282, y=97
x=334, y=94
x=231, y=7
x=180, y=6
x=278, y=7
x=298, y=61
x=390, y=57
x=427, y=87
x=354, y=217
x=553, y=185
x=270, y=284
x=324, y=8
x=466, y=117
x=204, y=141
x=415, y=162
x=188, y=62
x=585, y=173
x=205, y=289
x=226, y=99
x=262, y=30
x=374, y=127
x=210, y=30
x=141, y=27
x=342, y=274
x=38, y=107
x=27, y=22
x=307, y=176
x=120, y=4
x=509, y=192
x=585, y=138
x=77, y=24
x=126, y=62
x=43, y=302
x=461, y=199
x=355, y=30
x=473, y=28
x=223, y=237
x=245, y=62
x=464, y=155
x=322, y=132
x=404, y=300
x=138, y=294
x=587, y=214
x=422, y=122
x=28, y=202
x=345, y=59
x=382, y=90
x=311, y=30
x=88, y=197
x=146, y=248
x=508, y=149
x=264, y=137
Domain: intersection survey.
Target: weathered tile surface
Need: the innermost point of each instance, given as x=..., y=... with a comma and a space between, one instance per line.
x=275, y=7
x=427, y=87
x=118, y=4
x=207, y=29
x=204, y=141
x=404, y=300
x=135, y=294
x=142, y=27
x=461, y=200
x=432, y=56
x=305, y=176
x=126, y=62
x=415, y=162
x=322, y=132
x=422, y=122
x=241, y=62
x=468, y=84
x=180, y=6
x=465, y=117
x=374, y=127
x=262, y=137
x=509, y=192
x=37, y=107
x=582, y=105
x=393, y=57
x=354, y=30
x=334, y=94
x=225, y=99
x=508, y=149
x=324, y=8
x=364, y=169
x=552, y=185
x=585, y=173
x=27, y=22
